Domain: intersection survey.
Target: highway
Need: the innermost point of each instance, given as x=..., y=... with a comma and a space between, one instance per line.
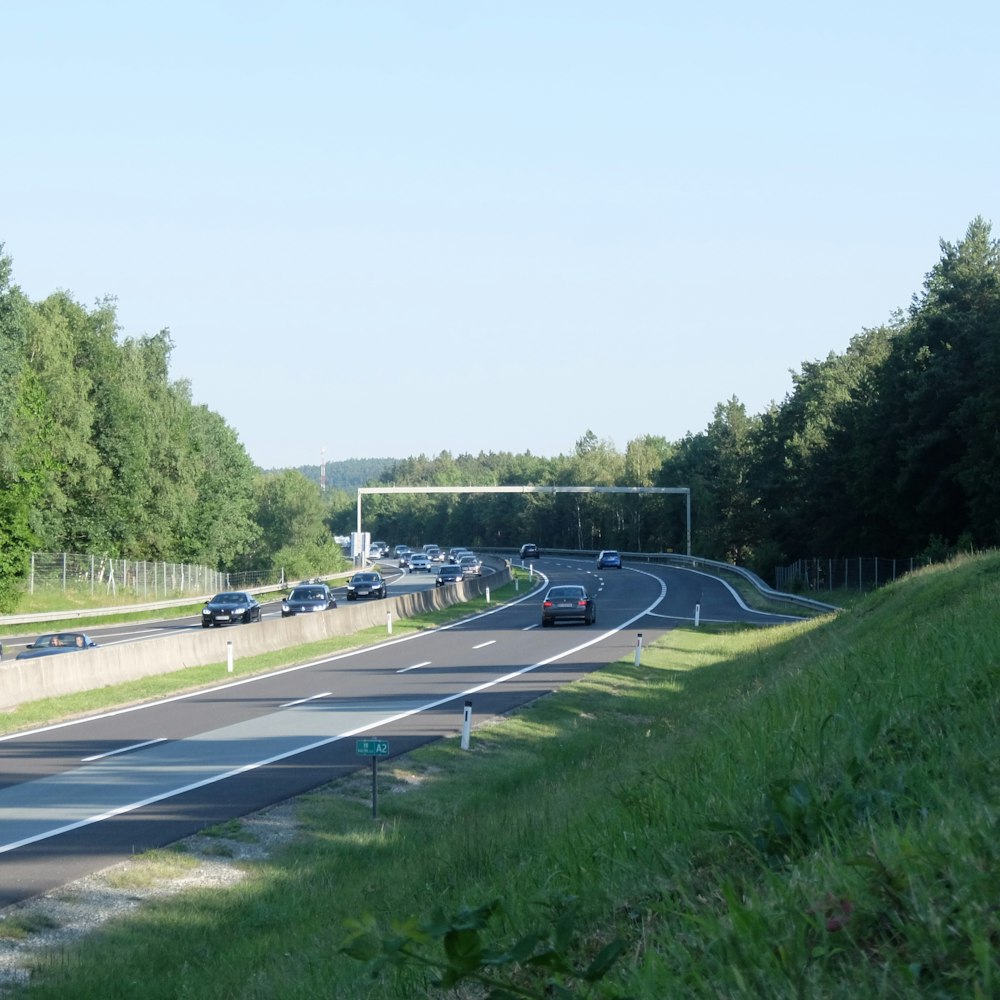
x=84, y=794
x=135, y=631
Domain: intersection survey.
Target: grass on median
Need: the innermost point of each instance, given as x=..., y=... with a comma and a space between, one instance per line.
x=802, y=811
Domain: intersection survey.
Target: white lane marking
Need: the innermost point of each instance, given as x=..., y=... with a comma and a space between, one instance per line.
x=303, y=701
x=134, y=746
x=58, y=782
x=277, y=673
x=423, y=663
x=483, y=645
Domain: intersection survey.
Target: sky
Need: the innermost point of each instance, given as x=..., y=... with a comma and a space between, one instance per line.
x=395, y=228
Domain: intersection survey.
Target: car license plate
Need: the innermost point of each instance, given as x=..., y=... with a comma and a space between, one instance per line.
x=222, y=618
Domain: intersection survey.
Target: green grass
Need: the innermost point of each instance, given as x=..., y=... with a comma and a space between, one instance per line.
x=803, y=811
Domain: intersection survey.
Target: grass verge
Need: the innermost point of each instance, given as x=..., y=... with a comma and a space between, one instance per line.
x=804, y=811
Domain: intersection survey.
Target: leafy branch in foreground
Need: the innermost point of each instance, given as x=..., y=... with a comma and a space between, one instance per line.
x=536, y=966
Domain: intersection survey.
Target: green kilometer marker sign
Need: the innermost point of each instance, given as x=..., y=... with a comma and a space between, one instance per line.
x=372, y=748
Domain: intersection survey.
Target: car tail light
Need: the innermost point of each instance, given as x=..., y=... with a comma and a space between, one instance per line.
x=582, y=602
x=546, y=604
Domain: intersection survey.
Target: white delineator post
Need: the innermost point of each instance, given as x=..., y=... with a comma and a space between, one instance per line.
x=638, y=649
x=229, y=656
x=466, y=725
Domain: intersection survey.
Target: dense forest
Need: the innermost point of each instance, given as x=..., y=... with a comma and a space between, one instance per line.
x=888, y=448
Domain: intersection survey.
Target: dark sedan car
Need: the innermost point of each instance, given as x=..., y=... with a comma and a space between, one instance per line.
x=302, y=600
x=568, y=603
x=56, y=642
x=449, y=573
x=609, y=559
x=530, y=551
x=230, y=606
x=366, y=585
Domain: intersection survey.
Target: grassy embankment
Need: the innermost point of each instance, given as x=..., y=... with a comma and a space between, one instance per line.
x=805, y=811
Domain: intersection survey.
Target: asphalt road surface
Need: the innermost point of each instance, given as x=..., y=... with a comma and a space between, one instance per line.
x=82, y=795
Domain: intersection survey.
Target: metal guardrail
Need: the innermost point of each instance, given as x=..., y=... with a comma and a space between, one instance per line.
x=38, y=617
x=696, y=562
x=691, y=562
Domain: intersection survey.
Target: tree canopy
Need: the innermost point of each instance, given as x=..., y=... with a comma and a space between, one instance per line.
x=887, y=448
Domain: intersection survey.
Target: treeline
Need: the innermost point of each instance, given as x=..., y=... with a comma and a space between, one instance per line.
x=891, y=448
x=888, y=449
x=100, y=452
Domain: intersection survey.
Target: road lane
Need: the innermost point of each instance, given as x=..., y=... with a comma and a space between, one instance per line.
x=157, y=772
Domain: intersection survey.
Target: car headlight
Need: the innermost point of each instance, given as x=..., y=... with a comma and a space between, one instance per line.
x=284, y=605
x=206, y=611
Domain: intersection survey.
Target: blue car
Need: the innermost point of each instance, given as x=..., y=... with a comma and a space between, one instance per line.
x=609, y=559
x=56, y=642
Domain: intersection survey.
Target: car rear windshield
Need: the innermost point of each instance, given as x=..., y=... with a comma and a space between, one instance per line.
x=559, y=593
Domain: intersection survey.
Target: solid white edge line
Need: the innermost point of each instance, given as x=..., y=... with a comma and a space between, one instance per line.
x=260, y=677
x=388, y=720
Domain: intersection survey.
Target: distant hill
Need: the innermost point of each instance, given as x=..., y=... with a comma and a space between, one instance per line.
x=349, y=474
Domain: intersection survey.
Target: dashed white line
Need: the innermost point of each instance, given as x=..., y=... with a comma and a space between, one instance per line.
x=303, y=701
x=134, y=746
x=424, y=663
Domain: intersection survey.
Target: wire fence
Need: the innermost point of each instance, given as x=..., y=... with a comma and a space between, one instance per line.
x=147, y=580
x=862, y=573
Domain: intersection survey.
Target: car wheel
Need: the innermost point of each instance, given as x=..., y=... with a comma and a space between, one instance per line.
x=546, y=623
x=206, y=624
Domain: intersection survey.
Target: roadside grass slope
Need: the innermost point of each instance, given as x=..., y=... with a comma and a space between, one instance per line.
x=802, y=811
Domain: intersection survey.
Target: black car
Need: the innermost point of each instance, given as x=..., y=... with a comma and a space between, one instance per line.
x=530, y=551
x=304, y=599
x=568, y=603
x=56, y=642
x=366, y=585
x=449, y=573
x=230, y=606
x=609, y=559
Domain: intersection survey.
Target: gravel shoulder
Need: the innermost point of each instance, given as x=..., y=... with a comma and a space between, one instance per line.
x=72, y=911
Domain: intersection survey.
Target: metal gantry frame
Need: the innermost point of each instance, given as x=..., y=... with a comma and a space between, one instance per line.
x=637, y=490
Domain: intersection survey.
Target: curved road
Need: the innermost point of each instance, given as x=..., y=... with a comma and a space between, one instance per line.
x=82, y=795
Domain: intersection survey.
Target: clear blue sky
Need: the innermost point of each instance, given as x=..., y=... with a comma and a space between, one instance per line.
x=603, y=216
